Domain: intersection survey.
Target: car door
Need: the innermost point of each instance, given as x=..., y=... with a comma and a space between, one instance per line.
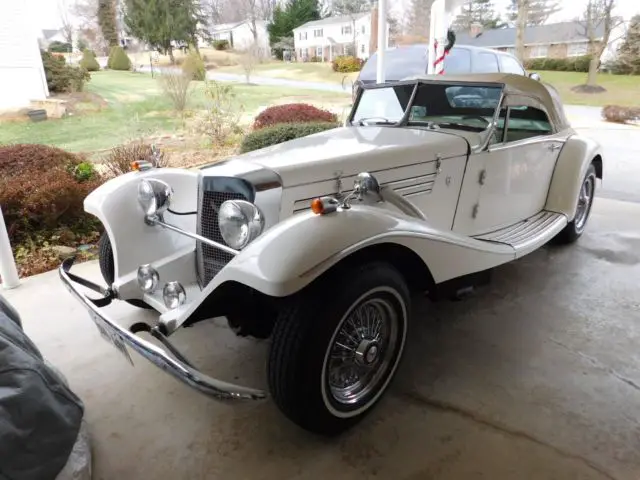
x=508, y=181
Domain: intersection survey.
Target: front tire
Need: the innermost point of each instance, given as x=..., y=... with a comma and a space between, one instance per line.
x=576, y=227
x=336, y=347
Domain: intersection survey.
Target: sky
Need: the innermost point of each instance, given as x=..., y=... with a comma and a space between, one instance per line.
x=46, y=14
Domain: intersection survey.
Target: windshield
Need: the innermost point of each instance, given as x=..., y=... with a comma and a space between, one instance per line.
x=458, y=106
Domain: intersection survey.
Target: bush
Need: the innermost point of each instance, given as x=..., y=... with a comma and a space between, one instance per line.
x=315, y=59
x=89, y=62
x=118, y=160
x=346, y=64
x=223, y=112
x=292, y=113
x=618, y=114
x=42, y=188
x=573, y=64
x=118, y=59
x=193, y=66
x=282, y=133
x=60, y=47
x=220, y=44
x=62, y=77
x=175, y=85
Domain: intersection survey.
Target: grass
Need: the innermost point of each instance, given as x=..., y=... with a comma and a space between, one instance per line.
x=308, y=72
x=621, y=89
x=136, y=108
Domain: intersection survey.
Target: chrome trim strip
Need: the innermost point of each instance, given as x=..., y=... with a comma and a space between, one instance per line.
x=180, y=370
x=195, y=236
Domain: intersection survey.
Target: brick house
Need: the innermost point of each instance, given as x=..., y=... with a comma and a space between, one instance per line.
x=330, y=37
x=555, y=40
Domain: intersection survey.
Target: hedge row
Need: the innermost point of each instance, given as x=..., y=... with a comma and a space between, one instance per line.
x=282, y=133
x=576, y=64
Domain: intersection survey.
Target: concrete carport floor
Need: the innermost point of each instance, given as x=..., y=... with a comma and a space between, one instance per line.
x=535, y=377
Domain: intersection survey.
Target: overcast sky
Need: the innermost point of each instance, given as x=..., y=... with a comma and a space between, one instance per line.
x=46, y=14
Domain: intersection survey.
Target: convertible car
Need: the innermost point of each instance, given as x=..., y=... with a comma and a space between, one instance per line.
x=318, y=243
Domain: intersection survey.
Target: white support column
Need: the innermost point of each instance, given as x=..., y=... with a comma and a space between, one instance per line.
x=8, y=270
x=441, y=16
x=382, y=39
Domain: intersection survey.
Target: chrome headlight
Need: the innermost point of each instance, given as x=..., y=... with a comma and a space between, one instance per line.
x=240, y=223
x=154, y=196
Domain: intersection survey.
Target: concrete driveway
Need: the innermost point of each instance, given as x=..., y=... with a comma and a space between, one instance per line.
x=535, y=377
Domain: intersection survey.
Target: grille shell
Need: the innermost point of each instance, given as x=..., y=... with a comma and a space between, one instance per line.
x=210, y=259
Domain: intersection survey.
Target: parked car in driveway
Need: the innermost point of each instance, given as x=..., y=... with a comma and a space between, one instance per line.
x=411, y=60
x=318, y=243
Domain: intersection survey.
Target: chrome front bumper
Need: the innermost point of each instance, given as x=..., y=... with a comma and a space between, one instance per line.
x=122, y=339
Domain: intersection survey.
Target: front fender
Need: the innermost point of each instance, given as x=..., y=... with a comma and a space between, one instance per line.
x=289, y=256
x=571, y=167
x=115, y=204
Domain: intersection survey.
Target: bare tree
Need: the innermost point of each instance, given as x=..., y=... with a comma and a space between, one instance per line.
x=67, y=26
x=521, y=25
x=249, y=59
x=597, y=18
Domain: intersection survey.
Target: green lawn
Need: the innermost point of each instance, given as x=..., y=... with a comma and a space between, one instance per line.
x=137, y=108
x=621, y=89
x=308, y=72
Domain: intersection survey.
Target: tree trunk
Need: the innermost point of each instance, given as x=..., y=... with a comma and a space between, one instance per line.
x=523, y=5
x=592, y=78
x=171, y=57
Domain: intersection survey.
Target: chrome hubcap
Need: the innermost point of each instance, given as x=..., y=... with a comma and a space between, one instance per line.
x=362, y=351
x=584, y=202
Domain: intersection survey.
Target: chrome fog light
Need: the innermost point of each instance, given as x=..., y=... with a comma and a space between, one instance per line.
x=148, y=278
x=174, y=295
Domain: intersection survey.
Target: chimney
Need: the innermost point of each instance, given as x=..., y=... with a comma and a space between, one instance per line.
x=475, y=30
x=373, y=29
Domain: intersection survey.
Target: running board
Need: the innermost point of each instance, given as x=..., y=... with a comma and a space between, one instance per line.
x=529, y=234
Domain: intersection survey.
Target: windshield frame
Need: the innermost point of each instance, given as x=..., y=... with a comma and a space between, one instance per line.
x=404, y=120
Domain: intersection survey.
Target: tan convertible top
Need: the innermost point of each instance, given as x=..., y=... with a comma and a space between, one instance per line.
x=516, y=86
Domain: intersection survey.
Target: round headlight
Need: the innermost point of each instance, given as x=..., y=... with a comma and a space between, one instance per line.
x=154, y=196
x=240, y=223
x=148, y=278
x=173, y=295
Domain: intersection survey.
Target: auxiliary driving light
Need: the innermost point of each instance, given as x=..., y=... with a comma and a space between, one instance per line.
x=148, y=278
x=173, y=295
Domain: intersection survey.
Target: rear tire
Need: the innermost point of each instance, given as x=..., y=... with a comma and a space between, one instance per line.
x=576, y=227
x=107, y=267
x=337, y=345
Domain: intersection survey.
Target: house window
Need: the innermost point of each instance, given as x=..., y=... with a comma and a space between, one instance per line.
x=577, y=49
x=539, y=51
x=303, y=35
x=362, y=48
x=318, y=51
x=363, y=29
x=346, y=30
x=317, y=33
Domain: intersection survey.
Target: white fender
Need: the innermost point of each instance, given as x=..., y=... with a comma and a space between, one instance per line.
x=571, y=167
x=115, y=204
x=290, y=255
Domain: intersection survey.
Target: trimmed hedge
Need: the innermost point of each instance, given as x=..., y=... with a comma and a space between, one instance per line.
x=221, y=44
x=292, y=113
x=61, y=77
x=282, y=133
x=43, y=188
x=575, y=64
x=346, y=64
x=619, y=114
x=118, y=59
x=89, y=62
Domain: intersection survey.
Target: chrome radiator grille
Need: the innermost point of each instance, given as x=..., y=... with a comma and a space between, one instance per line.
x=210, y=259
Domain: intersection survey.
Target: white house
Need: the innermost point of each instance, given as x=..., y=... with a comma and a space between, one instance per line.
x=334, y=36
x=21, y=71
x=240, y=34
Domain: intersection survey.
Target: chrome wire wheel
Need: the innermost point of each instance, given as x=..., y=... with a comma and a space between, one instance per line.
x=363, y=353
x=585, y=200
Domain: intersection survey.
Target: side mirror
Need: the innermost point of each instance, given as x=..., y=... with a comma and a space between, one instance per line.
x=366, y=185
x=534, y=76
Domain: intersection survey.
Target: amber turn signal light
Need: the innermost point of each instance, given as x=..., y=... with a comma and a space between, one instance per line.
x=324, y=205
x=317, y=207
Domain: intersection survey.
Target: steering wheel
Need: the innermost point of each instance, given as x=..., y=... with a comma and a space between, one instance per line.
x=477, y=117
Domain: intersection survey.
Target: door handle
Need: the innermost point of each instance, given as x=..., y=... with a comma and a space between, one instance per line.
x=554, y=146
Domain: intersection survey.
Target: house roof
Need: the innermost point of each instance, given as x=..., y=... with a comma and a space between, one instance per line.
x=47, y=34
x=225, y=27
x=565, y=32
x=332, y=20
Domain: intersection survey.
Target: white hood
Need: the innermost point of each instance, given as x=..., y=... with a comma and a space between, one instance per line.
x=352, y=150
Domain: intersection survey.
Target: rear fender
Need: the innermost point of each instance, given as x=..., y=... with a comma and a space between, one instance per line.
x=292, y=254
x=571, y=167
x=115, y=204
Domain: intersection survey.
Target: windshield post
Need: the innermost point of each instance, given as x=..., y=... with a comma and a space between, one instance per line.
x=407, y=113
x=494, y=123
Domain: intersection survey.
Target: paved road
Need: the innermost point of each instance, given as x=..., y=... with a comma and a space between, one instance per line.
x=536, y=377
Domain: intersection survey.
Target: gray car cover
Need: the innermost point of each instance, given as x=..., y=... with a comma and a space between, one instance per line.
x=40, y=417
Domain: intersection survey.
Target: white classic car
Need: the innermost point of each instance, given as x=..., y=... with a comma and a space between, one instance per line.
x=318, y=243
